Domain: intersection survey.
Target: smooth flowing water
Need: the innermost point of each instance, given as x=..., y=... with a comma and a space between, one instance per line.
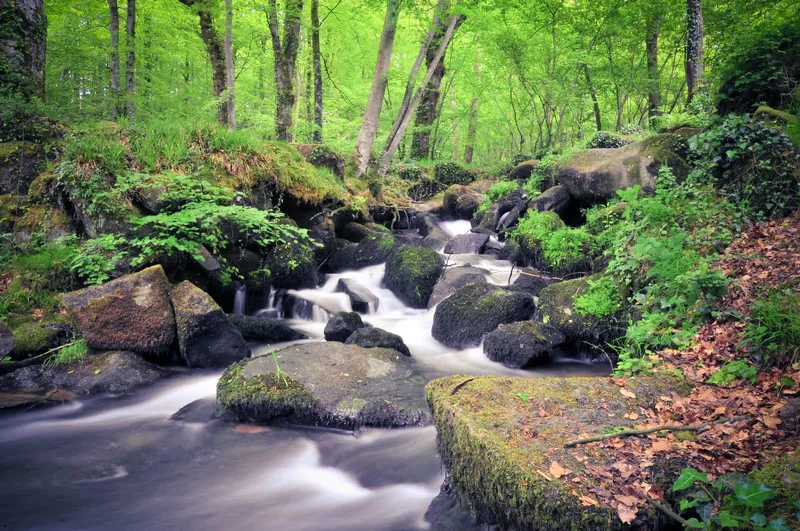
x=124, y=463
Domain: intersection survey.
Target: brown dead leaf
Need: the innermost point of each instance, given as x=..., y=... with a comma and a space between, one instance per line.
x=630, y=501
x=661, y=446
x=558, y=471
x=627, y=514
x=587, y=501
x=627, y=393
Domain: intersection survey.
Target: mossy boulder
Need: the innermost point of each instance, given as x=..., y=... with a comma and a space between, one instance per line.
x=555, y=199
x=461, y=202
x=453, y=279
x=522, y=343
x=342, y=325
x=371, y=250
x=469, y=243
x=9, y=208
x=461, y=320
x=33, y=337
x=532, y=282
x=263, y=329
x=132, y=313
x=51, y=222
x=495, y=464
x=109, y=372
x=411, y=274
x=325, y=384
x=523, y=170
x=452, y=173
x=20, y=163
x=292, y=266
x=6, y=340
x=557, y=307
x=594, y=176
x=783, y=476
x=206, y=338
x=372, y=337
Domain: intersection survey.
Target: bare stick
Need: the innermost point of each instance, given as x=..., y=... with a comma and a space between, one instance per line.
x=460, y=385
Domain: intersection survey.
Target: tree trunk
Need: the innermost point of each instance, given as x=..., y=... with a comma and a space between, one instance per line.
x=386, y=159
x=598, y=122
x=369, y=125
x=214, y=47
x=113, y=63
x=230, y=80
x=472, y=128
x=654, y=92
x=694, y=46
x=23, y=39
x=285, y=52
x=130, y=64
x=315, y=53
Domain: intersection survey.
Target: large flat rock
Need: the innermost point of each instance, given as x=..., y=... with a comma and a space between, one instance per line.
x=325, y=384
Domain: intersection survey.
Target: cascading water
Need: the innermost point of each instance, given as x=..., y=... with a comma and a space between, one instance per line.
x=240, y=300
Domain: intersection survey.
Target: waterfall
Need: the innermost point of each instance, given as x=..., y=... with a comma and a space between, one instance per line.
x=240, y=299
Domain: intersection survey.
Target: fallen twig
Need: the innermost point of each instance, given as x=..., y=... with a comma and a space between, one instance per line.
x=666, y=510
x=460, y=385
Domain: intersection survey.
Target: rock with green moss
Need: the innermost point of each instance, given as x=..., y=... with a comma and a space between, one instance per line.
x=411, y=274
x=51, y=222
x=6, y=340
x=31, y=338
x=133, y=313
x=453, y=279
x=461, y=201
x=523, y=170
x=484, y=431
x=263, y=329
x=342, y=325
x=206, y=338
x=557, y=306
x=462, y=319
x=9, y=207
x=594, y=176
x=783, y=476
x=371, y=250
x=522, y=343
x=325, y=384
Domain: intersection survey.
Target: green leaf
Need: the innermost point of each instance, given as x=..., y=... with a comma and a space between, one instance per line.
x=752, y=494
x=688, y=477
x=779, y=524
x=759, y=519
x=522, y=396
x=694, y=523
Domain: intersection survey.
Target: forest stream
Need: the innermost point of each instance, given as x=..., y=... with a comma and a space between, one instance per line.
x=132, y=463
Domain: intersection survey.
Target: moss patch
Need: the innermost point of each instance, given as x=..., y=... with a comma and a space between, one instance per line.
x=498, y=447
x=412, y=272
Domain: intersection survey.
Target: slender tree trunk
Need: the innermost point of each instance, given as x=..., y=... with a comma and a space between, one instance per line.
x=315, y=53
x=23, y=42
x=653, y=73
x=230, y=79
x=694, y=46
x=386, y=159
x=130, y=63
x=598, y=121
x=285, y=52
x=113, y=62
x=472, y=128
x=369, y=125
x=216, y=55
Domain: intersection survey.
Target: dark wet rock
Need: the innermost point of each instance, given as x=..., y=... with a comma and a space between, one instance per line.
x=263, y=329
x=461, y=202
x=556, y=199
x=325, y=384
x=411, y=273
x=532, y=282
x=342, y=325
x=594, y=176
x=371, y=337
x=202, y=410
x=518, y=344
x=393, y=217
x=111, y=372
x=557, y=307
x=453, y=279
x=790, y=415
x=372, y=250
x=436, y=239
x=32, y=397
x=469, y=243
x=292, y=266
x=462, y=319
x=206, y=337
x=362, y=300
x=445, y=513
x=131, y=313
x=355, y=232
x=523, y=170
x=6, y=341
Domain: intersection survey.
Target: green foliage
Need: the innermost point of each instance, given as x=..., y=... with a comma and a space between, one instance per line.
x=98, y=258
x=603, y=299
x=773, y=329
x=496, y=192
x=734, y=370
x=732, y=501
x=754, y=164
x=550, y=244
x=70, y=353
x=451, y=173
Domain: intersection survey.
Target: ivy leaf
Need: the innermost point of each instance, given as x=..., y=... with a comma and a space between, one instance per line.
x=706, y=511
x=694, y=523
x=753, y=494
x=779, y=524
x=726, y=519
x=688, y=477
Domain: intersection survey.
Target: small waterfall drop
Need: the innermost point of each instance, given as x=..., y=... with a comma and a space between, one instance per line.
x=240, y=299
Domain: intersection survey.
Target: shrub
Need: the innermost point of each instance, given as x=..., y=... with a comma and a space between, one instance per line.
x=754, y=164
x=543, y=237
x=498, y=191
x=773, y=329
x=602, y=299
x=451, y=173
x=604, y=139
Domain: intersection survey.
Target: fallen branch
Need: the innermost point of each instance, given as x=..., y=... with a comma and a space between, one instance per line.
x=460, y=385
x=5, y=368
x=645, y=431
x=669, y=512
